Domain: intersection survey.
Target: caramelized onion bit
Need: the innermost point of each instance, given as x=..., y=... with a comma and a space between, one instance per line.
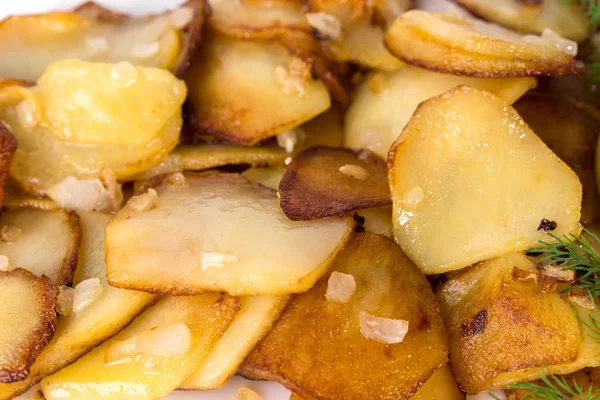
x=582, y=300
x=86, y=292
x=9, y=233
x=143, y=202
x=329, y=26
x=340, y=287
x=546, y=283
x=65, y=300
x=74, y=194
x=383, y=330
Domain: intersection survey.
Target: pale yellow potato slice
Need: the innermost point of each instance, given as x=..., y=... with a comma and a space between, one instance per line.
x=567, y=19
x=76, y=334
x=378, y=220
x=30, y=43
x=196, y=157
x=473, y=47
x=235, y=84
x=153, y=374
x=83, y=117
x=269, y=176
x=498, y=325
x=255, y=318
x=384, y=102
x=470, y=181
x=199, y=234
x=27, y=321
x=30, y=228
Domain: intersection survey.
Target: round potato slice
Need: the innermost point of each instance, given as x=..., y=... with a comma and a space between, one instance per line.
x=476, y=48
x=30, y=43
x=27, y=320
x=191, y=233
x=318, y=349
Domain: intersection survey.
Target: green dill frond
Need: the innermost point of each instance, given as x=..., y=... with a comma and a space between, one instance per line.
x=593, y=11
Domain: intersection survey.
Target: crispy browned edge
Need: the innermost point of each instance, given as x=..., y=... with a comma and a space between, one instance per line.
x=576, y=67
x=72, y=255
x=8, y=146
x=43, y=333
x=300, y=204
x=192, y=33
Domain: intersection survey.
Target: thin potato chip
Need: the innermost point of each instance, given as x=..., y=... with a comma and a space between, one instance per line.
x=317, y=349
x=27, y=321
x=189, y=233
x=475, y=48
x=325, y=181
x=55, y=258
x=32, y=42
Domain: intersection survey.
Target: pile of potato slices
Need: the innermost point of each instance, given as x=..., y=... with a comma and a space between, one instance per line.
x=335, y=195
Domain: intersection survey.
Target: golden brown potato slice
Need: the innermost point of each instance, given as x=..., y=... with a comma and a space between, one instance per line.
x=255, y=318
x=32, y=42
x=498, y=324
x=326, y=181
x=195, y=232
x=571, y=132
x=152, y=356
x=27, y=321
x=384, y=102
x=567, y=19
x=83, y=117
x=16, y=197
x=326, y=129
x=378, y=220
x=196, y=157
x=269, y=177
x=476, y=48
x=24, y=229
x=8, y=146
x=76, y=334
x=458, y=201
x=235, y=85
x=317, y=350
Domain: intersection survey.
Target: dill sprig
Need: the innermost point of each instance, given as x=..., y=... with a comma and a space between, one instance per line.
x=593, y=12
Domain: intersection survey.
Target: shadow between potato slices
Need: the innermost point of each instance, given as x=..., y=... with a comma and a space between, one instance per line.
x=473, y=47
x=30, y=43
x=27, y=321
x=317, y=350
x=470, y=181
x=329, y=181
x=189, y=233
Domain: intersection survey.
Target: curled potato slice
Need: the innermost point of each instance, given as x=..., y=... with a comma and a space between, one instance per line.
x=384, y=102
x=570, y=131
x=82, y=117
x=317, y=350
x=566, y=19
x=498, y=327
x=476, y=48
x=255, y=318
x=27, y=321
x=76, y=334
x=457, y=202
x=326, y=181
x=30, y=43
x=30, y=228
x=198, y=234
x=235, y=84
x=206, y=318
x=8, y=146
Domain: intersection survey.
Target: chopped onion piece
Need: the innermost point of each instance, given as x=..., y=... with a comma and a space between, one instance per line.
x=326, y=24
x=295, y=78
x=176, y=179
x=145, y=50
x=164, y=340
x=340, y=287
x=245, y=393
x=74, y=194
x=354, y=171
x=65, y=300
x=210, y=259
x=143, y=202
x=288, y=140
x=582, y=300
x=4, y=264
x=383, y=330
x=9, y=233
x=86, y=292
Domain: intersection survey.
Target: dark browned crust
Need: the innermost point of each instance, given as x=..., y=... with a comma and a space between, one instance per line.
x=475, y=325
x=40, y=337
x=8, y=146
x=72, y=255
x=313, y=187
x=191, y=34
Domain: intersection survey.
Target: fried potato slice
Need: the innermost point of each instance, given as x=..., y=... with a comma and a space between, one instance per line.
x=82, y=117
x=326, y=181
x=16, y=197
x=24, y=229
x=384, y=102
x=76, y=334
x=446, y=221
x=317, y=350
x=255, y=318
x=27, y=321
x=378, y=220
x=567, y=19
x=105, y=373
x=571, y=132
x=30, y=43
x=497, y=325
x=198, y=235
x=196, y=157
x=476, y=48
x=269, y=177
x=8, y=146
x=235, y=83
x=326, y=129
